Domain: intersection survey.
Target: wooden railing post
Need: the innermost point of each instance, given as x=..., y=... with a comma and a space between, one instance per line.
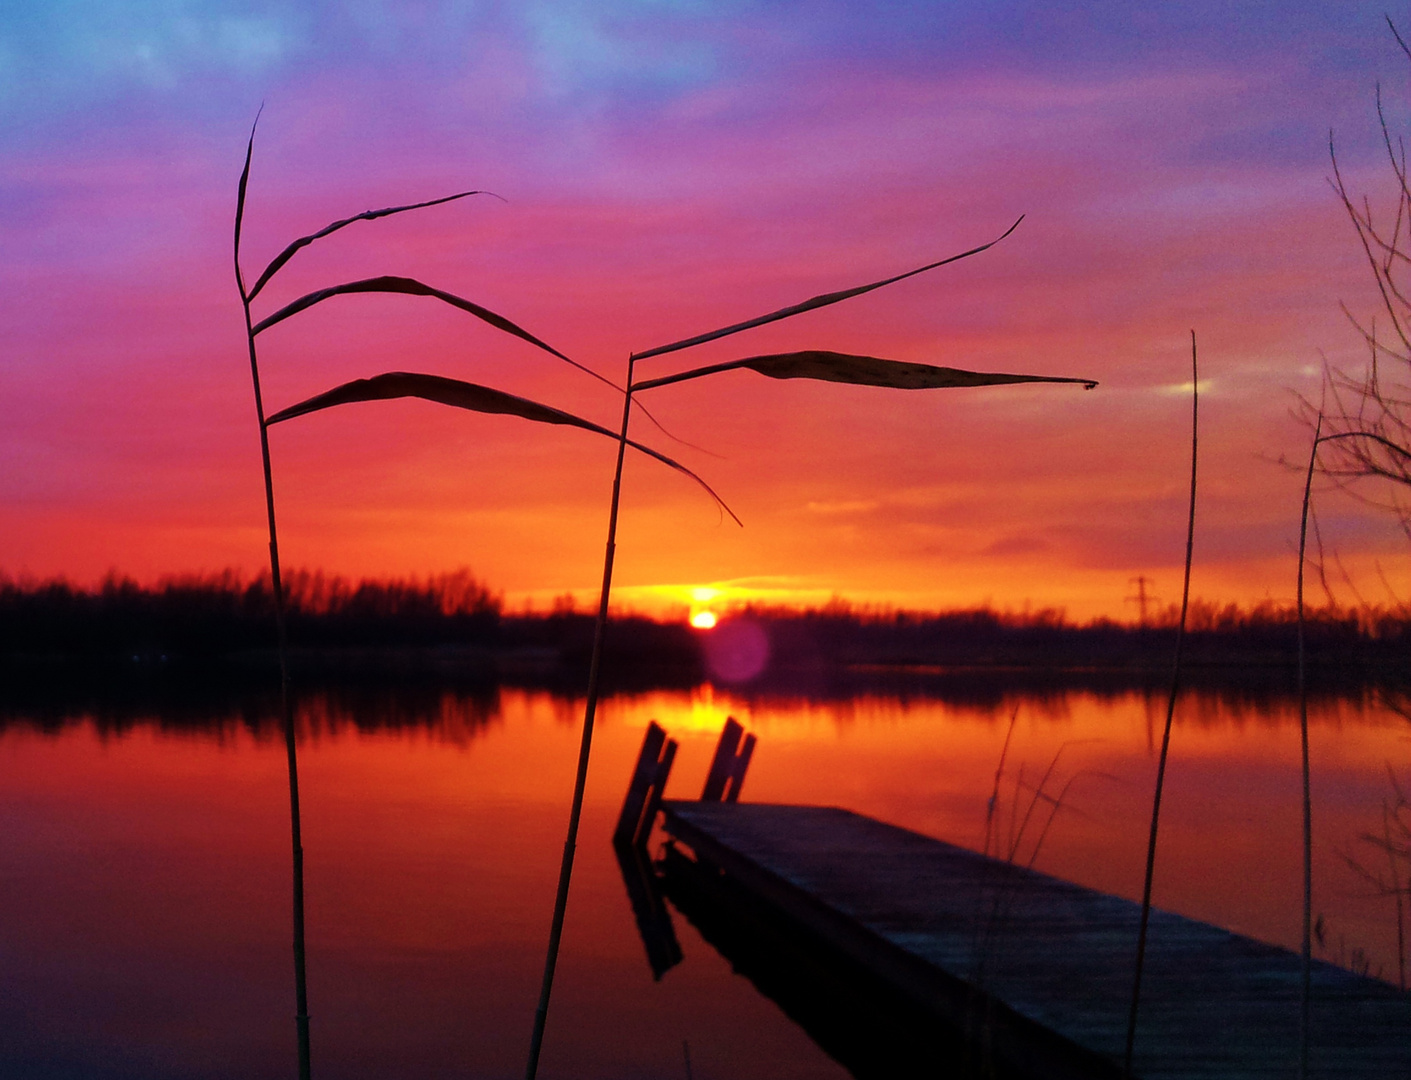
x=723, y=761
x=639, y=809
x=727, y=768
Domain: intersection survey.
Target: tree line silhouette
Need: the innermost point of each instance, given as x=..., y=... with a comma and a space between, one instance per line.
x=219, y=615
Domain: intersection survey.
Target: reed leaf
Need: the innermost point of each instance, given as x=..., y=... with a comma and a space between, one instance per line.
x=1161, y=760
x=240, y=207
x=412, y=287
x=408, y=287
x=476, y=398
x=819, y=301
x=859, y=371
x=367, y=215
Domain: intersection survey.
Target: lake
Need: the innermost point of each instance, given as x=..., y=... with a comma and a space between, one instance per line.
x=144, y=861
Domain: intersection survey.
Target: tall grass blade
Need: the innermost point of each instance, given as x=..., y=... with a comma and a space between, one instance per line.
x=1306, y=987
x=859, y=371
x=1306, y=993
x=585, y=745
x=367, y=215
x=476, y=398
x=301, y=999
x=993, y=802
x=818, y=301
x=1396, y=893
x=1166, y=733
x=1038, y=796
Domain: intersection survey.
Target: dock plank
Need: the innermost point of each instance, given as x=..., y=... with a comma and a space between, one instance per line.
x=1042, y=968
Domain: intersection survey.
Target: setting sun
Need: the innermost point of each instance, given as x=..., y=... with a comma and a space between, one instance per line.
x=703, y=620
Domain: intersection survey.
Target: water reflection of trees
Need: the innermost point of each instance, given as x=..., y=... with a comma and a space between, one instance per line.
x=1210, y=693
x=447, y=712
x=215, y=700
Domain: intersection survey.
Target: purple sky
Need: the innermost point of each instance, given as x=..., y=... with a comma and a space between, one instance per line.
x=671, y=167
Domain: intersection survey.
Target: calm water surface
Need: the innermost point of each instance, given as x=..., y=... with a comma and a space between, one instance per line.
x=144, y=867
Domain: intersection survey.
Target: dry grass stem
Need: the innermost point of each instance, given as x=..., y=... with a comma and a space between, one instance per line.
x=1306, y=989
x=1166, y=731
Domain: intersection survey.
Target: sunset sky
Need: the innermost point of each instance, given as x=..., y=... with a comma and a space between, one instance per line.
x=669, y=167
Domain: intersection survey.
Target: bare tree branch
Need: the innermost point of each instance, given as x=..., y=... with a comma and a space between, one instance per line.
x=1367, y=413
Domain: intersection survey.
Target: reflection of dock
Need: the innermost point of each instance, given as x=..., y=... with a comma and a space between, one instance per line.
x=991, y=969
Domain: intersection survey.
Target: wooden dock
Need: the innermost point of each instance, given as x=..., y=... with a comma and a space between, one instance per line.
x=1031, y=974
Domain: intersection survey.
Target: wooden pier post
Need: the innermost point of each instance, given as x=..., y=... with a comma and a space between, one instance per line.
x=639, y=809
x=727, y=768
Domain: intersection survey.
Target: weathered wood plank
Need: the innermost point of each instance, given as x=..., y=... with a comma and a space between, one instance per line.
x=1041, y=968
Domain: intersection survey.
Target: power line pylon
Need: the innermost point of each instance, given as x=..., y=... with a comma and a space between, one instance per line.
x=1142, y=599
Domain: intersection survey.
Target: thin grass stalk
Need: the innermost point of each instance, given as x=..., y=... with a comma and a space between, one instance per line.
x=1396, y=896
x=999, y=772
x=1014, y=814
x=979, y=944
x=590, y=709
x=1057, y=803
x=1306, y=985
x=1306, y=989
x=1166, y=732
x=1002, y=901
x=1018, y=838
x=301, y=1016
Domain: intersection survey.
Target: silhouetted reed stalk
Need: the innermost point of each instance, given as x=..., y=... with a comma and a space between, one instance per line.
x=1396, y=893
x=1395, y=843
x=285, y=704
x=1306, y=990
x=457, y=394
x=1306, y=985
x=580, y=779
x=997, y=887
x=813, y=364
x=1018, y=826
x=993, y=804
x=1166, y=731
x=405, y=286
x=1306, y=994
x=471, y=396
